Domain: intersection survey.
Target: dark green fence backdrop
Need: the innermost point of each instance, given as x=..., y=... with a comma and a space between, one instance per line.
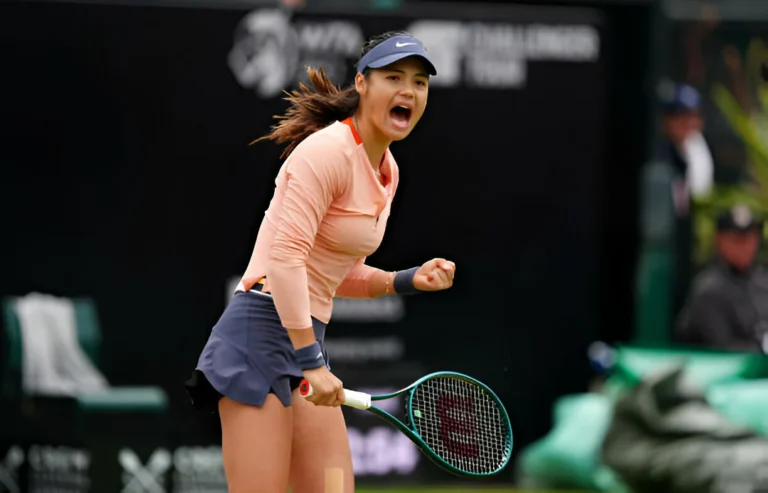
x=127, y=176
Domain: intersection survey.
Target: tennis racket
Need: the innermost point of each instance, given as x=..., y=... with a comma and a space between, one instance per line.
x=456, y=421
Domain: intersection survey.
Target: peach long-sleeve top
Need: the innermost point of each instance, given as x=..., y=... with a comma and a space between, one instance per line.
x=328, y=213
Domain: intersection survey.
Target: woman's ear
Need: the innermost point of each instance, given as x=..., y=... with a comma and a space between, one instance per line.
x=361, y=84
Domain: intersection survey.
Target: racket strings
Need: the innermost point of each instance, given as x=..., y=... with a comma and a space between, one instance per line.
x=462, y=424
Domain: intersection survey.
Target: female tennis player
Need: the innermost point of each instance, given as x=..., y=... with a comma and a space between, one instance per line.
x=328, y=213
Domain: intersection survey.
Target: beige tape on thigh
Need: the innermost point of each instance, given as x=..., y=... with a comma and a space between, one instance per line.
x=334, y=480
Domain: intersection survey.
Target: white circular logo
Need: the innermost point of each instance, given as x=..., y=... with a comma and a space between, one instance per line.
x=265, y=54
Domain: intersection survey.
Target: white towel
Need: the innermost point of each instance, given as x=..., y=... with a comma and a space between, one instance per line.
x=53, y=363
x=701, y=169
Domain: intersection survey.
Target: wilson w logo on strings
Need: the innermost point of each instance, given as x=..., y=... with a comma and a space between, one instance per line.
x=458, y=425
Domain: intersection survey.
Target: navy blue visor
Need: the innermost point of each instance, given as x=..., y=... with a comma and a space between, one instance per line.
x=394, y=49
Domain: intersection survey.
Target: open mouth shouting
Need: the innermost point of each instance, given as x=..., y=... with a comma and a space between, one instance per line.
x=400, y=116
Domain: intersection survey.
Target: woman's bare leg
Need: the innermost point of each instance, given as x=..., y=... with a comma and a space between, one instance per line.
x=256, y=445
x=319, y=442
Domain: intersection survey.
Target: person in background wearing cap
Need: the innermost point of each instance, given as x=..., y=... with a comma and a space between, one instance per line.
x=685, y=149
x=328, y=213
x=728, y=303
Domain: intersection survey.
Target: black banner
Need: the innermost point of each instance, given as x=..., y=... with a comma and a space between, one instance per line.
x=124, y=459
x=128, y=165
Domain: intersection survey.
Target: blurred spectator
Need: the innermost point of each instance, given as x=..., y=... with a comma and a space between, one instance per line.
x=728, y=303
x=686, y=151
x=686, y=148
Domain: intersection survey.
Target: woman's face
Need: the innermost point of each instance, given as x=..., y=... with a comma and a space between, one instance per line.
x=394, y=98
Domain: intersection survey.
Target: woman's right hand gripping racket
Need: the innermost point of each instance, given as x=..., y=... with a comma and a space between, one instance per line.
x=457, y=421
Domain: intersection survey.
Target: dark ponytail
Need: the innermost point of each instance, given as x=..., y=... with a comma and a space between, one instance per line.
x=312, y=109
x=315, y=108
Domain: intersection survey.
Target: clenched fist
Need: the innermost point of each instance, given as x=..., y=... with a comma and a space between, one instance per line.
x=435, y=275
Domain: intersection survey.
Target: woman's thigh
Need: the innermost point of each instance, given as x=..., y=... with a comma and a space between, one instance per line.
x=319, y=442
x=256, y=445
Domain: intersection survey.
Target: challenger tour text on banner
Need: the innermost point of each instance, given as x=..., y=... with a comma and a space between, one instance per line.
x=272, y=48
x=496, y=55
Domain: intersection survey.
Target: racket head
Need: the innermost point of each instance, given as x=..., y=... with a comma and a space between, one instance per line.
x=461, y=423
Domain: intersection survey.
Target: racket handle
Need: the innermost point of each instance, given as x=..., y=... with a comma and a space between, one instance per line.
x=358, y=400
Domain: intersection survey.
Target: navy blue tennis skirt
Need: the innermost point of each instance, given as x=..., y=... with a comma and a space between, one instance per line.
x=248, y=355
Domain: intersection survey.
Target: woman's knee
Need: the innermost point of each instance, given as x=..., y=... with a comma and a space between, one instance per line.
x=256, y=445
x=320, y=442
